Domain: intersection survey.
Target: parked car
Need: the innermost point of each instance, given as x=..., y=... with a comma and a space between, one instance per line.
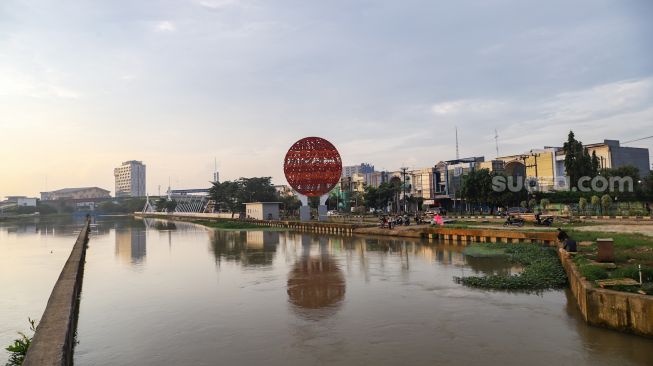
x=517, y=210
x=437, y=210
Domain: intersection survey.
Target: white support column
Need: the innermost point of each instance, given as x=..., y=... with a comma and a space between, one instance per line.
x=304, y=209
x=322, y=208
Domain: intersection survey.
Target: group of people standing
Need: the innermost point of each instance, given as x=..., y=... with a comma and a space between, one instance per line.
x=391, y=221
x=396, y=220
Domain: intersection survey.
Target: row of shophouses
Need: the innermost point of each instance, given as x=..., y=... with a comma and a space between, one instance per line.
x=440, y=185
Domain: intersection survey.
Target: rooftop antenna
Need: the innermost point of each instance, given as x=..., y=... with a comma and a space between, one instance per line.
x=496, y=141
x=457, y=152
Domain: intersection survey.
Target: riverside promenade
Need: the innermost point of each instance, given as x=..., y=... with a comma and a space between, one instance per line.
x=458, y=235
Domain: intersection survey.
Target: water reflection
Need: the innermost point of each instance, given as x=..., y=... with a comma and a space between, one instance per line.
x=316, y=287
x=131, y=245
x=45, y=226
x=249, y=248
x=492, y=266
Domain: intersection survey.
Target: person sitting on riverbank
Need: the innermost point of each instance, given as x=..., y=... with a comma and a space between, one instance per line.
x=570, y=245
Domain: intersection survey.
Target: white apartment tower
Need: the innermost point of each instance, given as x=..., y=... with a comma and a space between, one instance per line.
x=130, y=179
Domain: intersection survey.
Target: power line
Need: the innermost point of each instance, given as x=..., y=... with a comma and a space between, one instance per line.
x=640, y=139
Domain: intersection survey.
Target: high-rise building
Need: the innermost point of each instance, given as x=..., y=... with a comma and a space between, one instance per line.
x=130, y=179
x=216, y=174
x=363, y=168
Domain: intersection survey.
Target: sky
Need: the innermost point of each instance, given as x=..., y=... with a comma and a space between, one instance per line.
x=86, y=85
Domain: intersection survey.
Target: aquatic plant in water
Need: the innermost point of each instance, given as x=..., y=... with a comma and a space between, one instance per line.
x=542, y=268
x=18, y=349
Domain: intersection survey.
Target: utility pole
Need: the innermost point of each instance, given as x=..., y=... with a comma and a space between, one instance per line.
x=496, y=141
x=457, y=151
x=403, y=173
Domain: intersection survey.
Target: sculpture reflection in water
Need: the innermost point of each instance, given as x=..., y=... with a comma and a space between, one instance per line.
x=316, y=287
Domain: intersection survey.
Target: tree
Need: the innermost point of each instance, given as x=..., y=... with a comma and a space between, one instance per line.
x=165, y=205
x=289, y=203
x=544, y=202
x=232, y=195
x=379, y=197
x=582, y=204
x=596, y=203
x=596, y=164
x=578, y=162
x=606, y=202
x=648, y=186
x=394, y=187
x=532, y=203
x=227, y=195
x=622, y=171
x=477, y=187
x=371, y=197
x=258, y=189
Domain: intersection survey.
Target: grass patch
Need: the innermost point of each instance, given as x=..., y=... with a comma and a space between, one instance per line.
x=633, y=272
x=592, y=272
x=621, y=240
x=542, y=268
x=629, y=248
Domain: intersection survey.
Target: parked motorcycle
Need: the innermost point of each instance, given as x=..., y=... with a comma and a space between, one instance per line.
x=514, y=221
x=546, y=222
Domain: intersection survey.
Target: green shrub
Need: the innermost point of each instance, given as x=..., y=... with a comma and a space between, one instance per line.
x=648, y=288
x=633, y=272
x=18, y=349
x=592, y=272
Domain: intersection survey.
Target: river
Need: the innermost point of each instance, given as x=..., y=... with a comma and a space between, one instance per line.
x=171, y=293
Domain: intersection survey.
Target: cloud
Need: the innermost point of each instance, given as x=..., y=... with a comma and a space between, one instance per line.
x=217, y=4
x=20, y=84
x=468, y=106
x=165, y=27
x=526, y=123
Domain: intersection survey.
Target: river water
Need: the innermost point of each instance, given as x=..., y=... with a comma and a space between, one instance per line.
x=170, y=293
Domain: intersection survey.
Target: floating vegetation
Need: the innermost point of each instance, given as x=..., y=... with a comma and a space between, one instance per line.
x=541, y=267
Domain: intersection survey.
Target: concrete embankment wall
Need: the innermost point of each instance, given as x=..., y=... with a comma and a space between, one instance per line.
x=54, y=339
x=622, y=311
x=464, y=235
x=314, y=226
x=433, y=233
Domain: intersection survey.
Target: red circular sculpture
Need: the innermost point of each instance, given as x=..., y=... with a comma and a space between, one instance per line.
x=312, y=166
